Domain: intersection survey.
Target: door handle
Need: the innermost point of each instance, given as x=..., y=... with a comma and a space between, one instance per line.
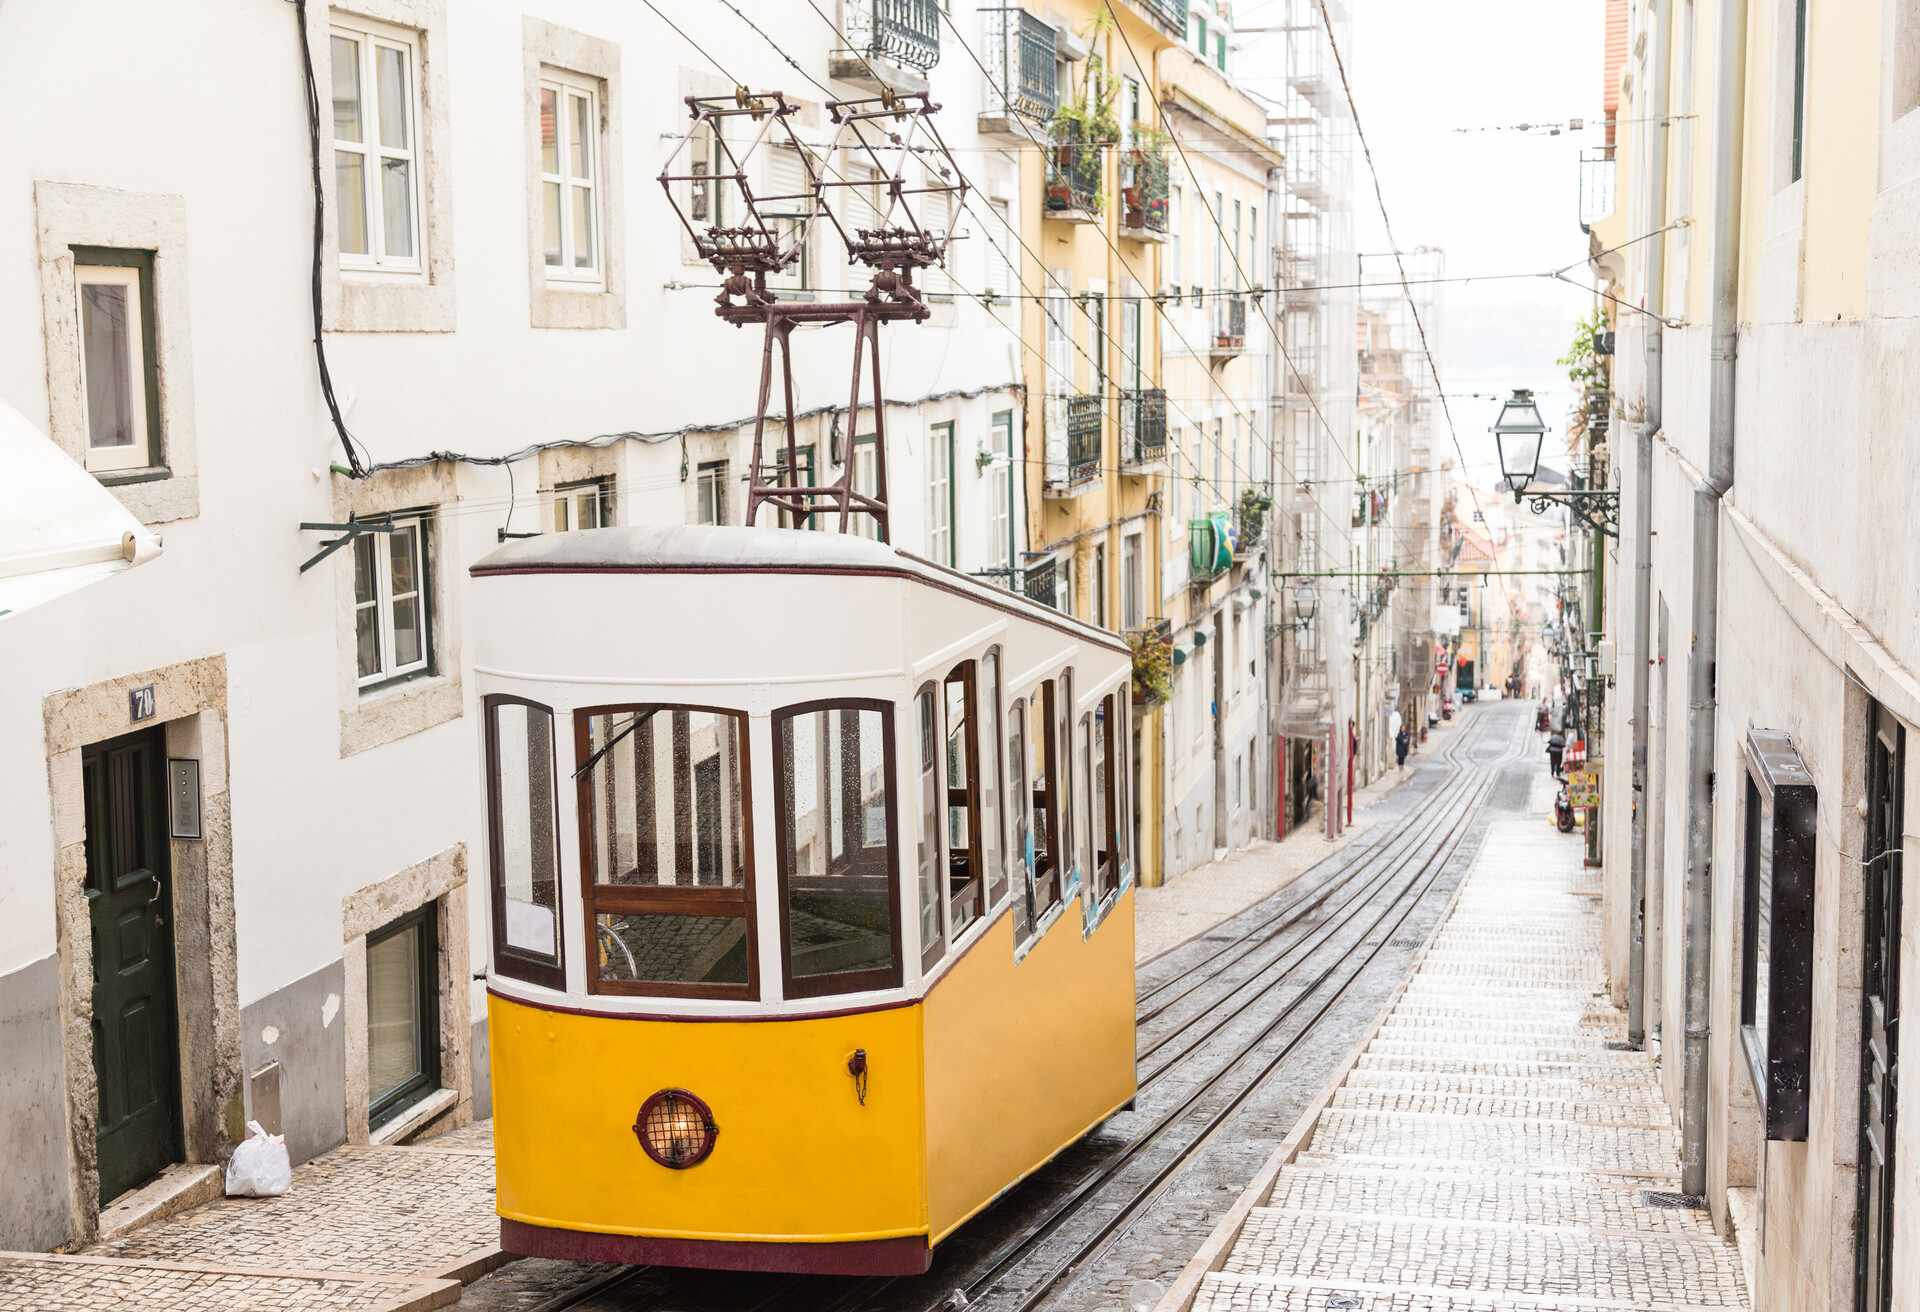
x=153, y=898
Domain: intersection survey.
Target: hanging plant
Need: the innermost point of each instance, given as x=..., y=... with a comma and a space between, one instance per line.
x=1152, y=668
x=1254, y=505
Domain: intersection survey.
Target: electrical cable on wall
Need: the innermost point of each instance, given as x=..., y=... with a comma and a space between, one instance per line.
x=355, y=468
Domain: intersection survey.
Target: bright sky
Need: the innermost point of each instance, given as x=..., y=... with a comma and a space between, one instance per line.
x=1496, y=202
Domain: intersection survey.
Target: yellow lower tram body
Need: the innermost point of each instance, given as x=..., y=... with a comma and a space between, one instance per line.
x=820, y=1160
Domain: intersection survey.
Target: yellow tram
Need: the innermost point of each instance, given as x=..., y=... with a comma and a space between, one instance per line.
x=830, y=940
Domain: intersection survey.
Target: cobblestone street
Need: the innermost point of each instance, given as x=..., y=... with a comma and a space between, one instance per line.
x=1491, y=1148
x=382, y=1229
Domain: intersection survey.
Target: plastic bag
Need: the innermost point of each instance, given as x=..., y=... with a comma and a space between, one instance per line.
x=259, y=1167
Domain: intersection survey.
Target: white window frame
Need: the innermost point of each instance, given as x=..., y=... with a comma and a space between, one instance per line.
x=384, y=600
x=571, y=499
x=139, y=453
x=798, y=276
x=566, y=88
x=1000, y=477
x=368, y=36
x=1131, y=598
x=1000, y=271
x=714, y=474
x=941, y=455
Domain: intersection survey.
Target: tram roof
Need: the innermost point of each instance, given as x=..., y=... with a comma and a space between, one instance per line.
x=728, y=549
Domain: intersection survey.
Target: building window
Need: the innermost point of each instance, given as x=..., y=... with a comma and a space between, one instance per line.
x=666, y=864
x=786, y=207
x=710, y=493
x=941, y=544
x=1220, y=51
x=866, y=481
x=392, y=603
x=1176, y=271
x=1000, y=496
x=120, y=392
x=1000, y=266
x=569, y=171
x=375, y=154
x=523, y=837
x=403, y=1015
x=839, y=881
x=1100, y=585
x=587, y=504
x=1130, y=616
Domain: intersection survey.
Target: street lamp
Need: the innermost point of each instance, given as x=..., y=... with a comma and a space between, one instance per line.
x=1305, y=602
x=1519, y=432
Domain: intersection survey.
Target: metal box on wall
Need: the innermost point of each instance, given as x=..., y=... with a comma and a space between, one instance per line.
x=1779, y=827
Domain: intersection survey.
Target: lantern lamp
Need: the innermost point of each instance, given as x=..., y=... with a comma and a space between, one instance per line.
x=1519, y=432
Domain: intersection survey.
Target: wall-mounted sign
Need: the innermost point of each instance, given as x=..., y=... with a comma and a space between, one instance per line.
x=183, y=798
x=1583, y=787
x=140, y=703
x=1778, y=823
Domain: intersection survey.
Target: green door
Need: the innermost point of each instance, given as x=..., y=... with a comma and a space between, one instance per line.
x=135, y=1041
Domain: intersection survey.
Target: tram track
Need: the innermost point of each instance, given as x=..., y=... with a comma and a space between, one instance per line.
x=1391, y=876
x=991, y=1281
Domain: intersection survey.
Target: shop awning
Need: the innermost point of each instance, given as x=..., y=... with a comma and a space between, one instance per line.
x=59, y=529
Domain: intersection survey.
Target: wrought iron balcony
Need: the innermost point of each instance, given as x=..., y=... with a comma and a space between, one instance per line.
x=1229, y=326
x=1172, y=13
x=1073, y=442
x=902, y=35
x=1143, y=428
x=1020, y=54
x=1143, y=215
x=1074, y=168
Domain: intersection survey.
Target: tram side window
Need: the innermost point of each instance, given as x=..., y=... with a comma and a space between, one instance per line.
x=1106, y=858
x=992, y=735
x=965, y=870
x=1084, y=793
x=669, y=873
x=523, y=835
x=1018, y=800
x=839, y=882
x=1122, y=787
x=1047, y=877
x=933, y=943
x=1061, y=754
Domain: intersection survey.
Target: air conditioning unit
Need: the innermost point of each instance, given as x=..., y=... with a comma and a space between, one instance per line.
x=1603, y=658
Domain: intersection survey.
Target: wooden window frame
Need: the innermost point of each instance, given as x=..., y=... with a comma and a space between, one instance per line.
x=1063, y=799
x=845, y=981
x=424, y=921
x=132, y=270
x=620, y=899
x=966, y=674
x=1106, y=876
x=513, y=962
x=368, y=35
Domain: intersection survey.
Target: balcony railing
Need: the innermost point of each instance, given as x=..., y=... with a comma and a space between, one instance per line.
x=904, y=31
x=1073, y=442
x=1143, y=427
x=1073, y=174
x=1171, y=12
x=1019, y=52
x=1229, y=325
x=1144, y=213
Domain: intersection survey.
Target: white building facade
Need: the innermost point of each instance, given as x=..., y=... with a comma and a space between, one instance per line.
x=249, y=790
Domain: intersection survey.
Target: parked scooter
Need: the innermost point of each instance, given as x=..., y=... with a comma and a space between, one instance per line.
x=1562, y=810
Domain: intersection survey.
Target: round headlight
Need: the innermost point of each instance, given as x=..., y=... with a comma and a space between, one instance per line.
x=676, y=1129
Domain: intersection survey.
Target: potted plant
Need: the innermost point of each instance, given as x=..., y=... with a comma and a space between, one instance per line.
x=1152, y=667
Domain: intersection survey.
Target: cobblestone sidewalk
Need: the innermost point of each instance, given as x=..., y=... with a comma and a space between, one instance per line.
x=1490, y=1150
x=367, y=1229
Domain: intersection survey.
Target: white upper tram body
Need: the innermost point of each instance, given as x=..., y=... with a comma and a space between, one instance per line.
x=708, y=652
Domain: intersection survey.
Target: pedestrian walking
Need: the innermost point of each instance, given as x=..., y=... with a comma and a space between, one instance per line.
x=1401, y=742
x=1556, y=748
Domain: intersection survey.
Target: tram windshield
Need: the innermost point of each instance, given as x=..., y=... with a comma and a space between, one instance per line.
x=665, y=851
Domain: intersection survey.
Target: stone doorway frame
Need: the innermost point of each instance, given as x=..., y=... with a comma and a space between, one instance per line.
x=190, y=704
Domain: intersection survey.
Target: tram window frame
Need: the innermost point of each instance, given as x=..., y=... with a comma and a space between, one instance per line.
x=1019, y=806
x=966, y=897
x=930, y=884
x=992, y=777
x=1106, y=860
x=716, y=901
x=1061, y=749
x=1083, y=810
x=1049, y=884
x=845, y=981
x=509, y=959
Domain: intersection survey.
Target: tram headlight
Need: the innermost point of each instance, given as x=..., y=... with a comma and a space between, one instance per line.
x=676, y=1129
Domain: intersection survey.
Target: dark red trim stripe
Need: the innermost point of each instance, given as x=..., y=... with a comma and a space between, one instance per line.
x=906, y=1256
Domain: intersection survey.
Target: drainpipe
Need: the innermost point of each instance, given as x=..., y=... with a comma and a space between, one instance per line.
x=1728, y=143
x=1643, y=533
